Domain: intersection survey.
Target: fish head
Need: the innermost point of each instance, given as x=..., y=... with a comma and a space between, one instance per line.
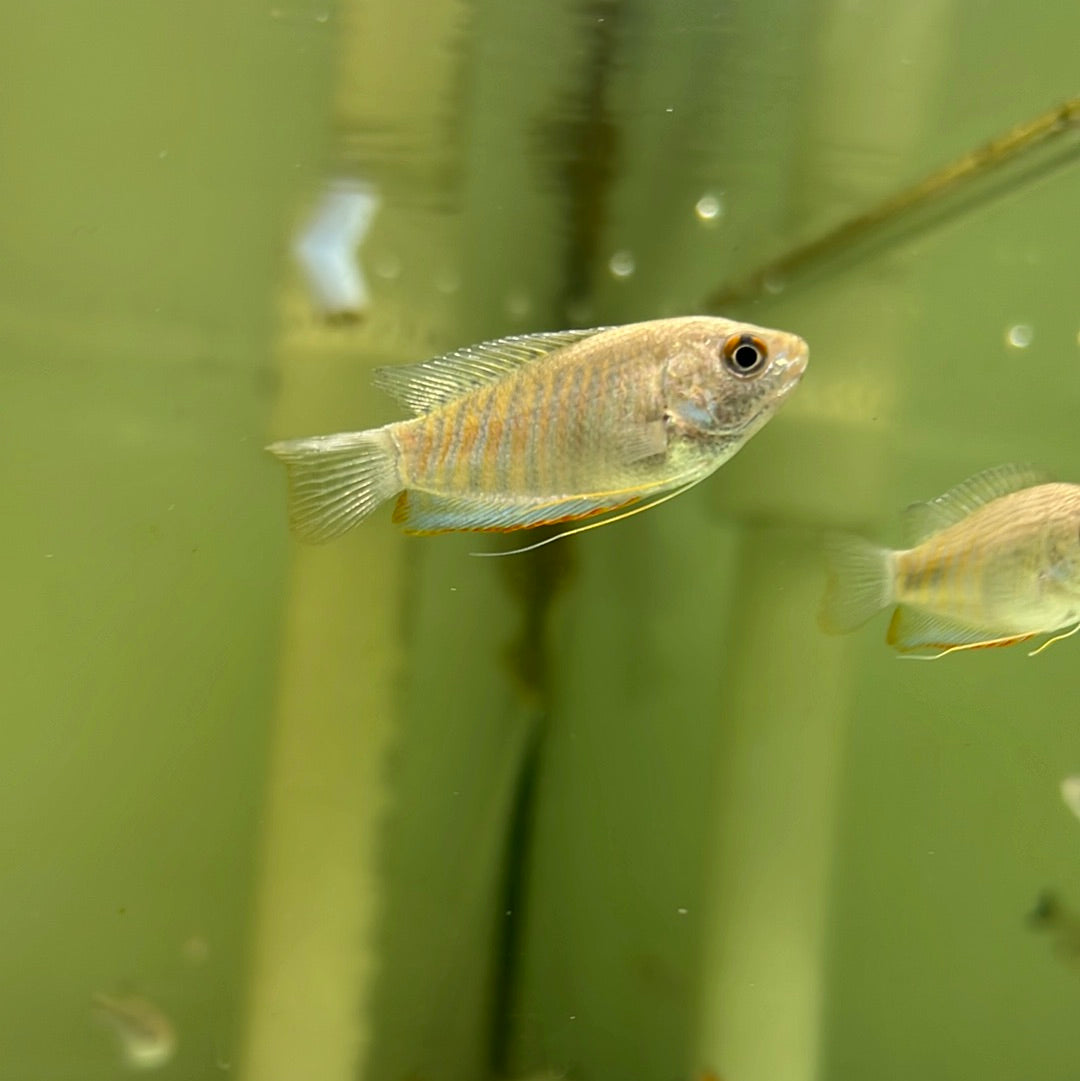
x=723, y=380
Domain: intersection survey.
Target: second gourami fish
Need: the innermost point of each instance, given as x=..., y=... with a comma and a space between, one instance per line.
x=543, y=428
x=992, y=562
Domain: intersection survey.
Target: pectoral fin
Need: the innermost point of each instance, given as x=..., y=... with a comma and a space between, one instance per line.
x=637, y=442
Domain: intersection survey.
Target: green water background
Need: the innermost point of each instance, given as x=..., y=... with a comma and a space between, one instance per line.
x=616, y=810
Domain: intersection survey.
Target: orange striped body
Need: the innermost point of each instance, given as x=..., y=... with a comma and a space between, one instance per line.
x=1012, y=565
x=549, y=429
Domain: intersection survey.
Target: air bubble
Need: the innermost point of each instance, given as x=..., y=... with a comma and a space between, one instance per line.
x=1019, y=336
x=621, y=264
x=709, y=207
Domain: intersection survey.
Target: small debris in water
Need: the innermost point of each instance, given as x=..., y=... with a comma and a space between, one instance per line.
x=146, y=1036
x=518, y=304
x=388, y=266
x=447, y=283
x=195, y=950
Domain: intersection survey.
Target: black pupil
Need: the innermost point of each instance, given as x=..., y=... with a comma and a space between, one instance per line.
x=746, y=356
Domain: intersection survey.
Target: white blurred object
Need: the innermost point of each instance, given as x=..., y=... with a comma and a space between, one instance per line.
x=147, y=1037
x=1070, y=793
x=327, y=248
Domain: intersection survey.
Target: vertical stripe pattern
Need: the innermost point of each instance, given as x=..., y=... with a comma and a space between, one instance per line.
x=538, y=432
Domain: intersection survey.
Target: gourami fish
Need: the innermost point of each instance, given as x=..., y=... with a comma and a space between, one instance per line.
x=544, y=428
x=992, y=562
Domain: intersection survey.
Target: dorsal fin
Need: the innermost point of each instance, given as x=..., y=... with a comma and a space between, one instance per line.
x=425, y=386
x=922, y=520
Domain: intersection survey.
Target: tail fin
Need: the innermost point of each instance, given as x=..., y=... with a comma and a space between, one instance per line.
x=860, y=582
x=337, y=480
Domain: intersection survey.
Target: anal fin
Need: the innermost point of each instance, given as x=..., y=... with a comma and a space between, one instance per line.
x=991, y=643
x=430, y=512
x=911, y=630
x=638, y=442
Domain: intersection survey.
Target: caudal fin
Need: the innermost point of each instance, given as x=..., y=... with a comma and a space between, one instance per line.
x=860, y=582
x=337, y=480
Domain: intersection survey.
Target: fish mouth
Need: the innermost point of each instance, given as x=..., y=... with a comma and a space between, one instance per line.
x=793, y=360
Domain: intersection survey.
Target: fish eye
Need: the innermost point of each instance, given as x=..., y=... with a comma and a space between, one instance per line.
x=745, y=354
